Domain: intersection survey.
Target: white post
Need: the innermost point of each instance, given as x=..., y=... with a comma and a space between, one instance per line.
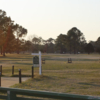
x=40, y=67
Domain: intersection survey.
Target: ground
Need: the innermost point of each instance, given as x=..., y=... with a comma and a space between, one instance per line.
x=82, y=76
x=9, y=81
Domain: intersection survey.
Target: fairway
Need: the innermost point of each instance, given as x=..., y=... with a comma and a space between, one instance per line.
x=82, y=76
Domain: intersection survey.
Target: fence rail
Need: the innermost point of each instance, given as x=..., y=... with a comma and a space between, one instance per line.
x=12, y=94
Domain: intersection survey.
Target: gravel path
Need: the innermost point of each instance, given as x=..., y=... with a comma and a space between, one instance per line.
x=9, y=81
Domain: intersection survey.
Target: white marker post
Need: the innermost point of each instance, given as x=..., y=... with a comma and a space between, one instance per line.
x=40, y=67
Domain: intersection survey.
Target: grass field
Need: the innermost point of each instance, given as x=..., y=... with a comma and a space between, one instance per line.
x=82, y=76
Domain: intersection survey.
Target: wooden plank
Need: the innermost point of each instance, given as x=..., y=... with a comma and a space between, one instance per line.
x=47, y=94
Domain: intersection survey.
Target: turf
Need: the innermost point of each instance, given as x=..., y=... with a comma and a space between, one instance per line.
x=82, y=76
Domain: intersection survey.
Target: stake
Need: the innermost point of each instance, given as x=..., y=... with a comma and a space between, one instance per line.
x=13, y=70
x=32, y=71
x=19, y=75
x=1, y=69
x=0, y=79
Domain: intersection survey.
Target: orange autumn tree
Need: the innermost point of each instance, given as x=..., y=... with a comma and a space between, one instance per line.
x=8, y=39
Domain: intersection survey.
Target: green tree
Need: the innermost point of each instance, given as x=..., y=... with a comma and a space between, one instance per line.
x=50, y=45
x=76, y=39
x=36, y=43
x=94, y=44
x=89, y=48
x=97, y=45
x=61, y=43
x=28, y=46
x=19, y=32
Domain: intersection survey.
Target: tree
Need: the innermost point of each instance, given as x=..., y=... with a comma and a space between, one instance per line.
x=36, y=42
x=94, y=44
x=89, y=48
x=7, y=30
x=75, y=39
x=97, y=45
x=50, y=45
x=19, y=32
x=61, y=43
x=45, y=46
x=8, y=45
x=28, y=46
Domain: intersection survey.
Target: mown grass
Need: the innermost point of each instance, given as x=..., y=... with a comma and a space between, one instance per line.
x=82, y=76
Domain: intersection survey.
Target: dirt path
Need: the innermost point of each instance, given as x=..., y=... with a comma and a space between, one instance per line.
x=9, y=81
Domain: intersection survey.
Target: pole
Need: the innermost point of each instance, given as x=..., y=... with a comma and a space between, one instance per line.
x=0, y=79
x=13, y=70
x=40, y=67
x=19, y=75
x=32, y=71
x=1, y=69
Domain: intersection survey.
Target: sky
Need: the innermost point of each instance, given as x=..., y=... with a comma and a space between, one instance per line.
x=50, y=18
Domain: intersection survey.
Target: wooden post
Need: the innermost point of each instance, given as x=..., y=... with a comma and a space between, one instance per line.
x=1, y=69
x=13, y=70
x=68, y=60
x=0, y=79
x=19, y=75
x=32, y=71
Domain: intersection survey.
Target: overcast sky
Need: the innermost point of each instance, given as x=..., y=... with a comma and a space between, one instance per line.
x=49, y=18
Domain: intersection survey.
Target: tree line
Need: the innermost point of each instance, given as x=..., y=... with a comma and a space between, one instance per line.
x=11, y=40
x=73, y=42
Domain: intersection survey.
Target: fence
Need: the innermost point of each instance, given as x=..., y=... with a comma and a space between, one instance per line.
x=13, y=94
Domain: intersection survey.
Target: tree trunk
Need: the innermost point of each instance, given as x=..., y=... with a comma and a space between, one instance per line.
x=5, y=45
x=1, y=50
x=70, y=48
x=4, y=54
x=17, y=46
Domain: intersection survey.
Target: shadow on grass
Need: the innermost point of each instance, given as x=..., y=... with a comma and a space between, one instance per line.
x=89, y=84
x=42, y=77
x=22, y=63
x=16, y=58
x=21, y=75
x=12, y=60
x=20, y=58
x=66, y=59
x=36, y=78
